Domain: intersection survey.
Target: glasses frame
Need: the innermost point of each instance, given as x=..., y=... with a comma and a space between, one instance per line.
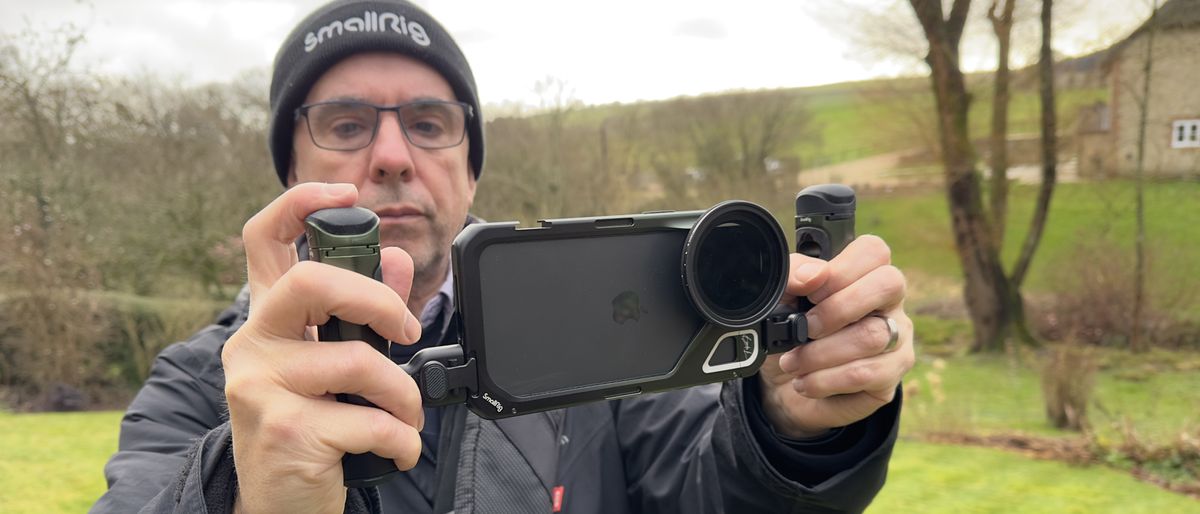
x=468, y=115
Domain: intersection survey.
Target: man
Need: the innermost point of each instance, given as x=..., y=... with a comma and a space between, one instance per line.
x=374, y=105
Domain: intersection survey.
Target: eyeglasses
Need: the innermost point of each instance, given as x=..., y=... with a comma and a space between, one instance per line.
x=346, y=125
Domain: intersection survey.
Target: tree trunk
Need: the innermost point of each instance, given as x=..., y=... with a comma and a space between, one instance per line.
x=1139, y=281
x=986, y=289
x=1002, y=26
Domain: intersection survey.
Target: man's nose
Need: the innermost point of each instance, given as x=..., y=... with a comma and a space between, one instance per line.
x=391, y=153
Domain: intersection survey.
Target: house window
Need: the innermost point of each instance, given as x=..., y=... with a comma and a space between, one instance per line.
x=1185, y=134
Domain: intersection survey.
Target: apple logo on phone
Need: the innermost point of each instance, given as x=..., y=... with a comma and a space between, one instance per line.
x=626, y=306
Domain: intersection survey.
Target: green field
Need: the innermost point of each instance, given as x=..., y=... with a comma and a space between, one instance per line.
x=54, y=462
x=851, y=120
x=927, y=477
x=982, y=394
x=859, y=119
x=1093, y=215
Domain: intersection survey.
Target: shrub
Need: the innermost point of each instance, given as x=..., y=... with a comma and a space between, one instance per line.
x=1094, y=303
x=1174, y=466
x=62, y=351
x=1068, y=379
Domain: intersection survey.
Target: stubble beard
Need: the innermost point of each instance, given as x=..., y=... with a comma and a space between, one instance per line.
x=429, y=249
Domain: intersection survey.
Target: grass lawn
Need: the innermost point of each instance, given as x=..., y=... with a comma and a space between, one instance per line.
x=980, y=394
x=53, y=463
x=926, y=477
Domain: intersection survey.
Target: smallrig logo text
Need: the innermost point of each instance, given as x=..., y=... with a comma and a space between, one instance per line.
x=495, y=403
x=370, y=21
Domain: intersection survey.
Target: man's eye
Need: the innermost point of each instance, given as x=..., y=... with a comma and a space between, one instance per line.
x=426, y=127
x=347, y=129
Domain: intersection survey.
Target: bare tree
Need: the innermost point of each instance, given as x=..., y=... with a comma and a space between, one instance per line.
x=986, y=288
x=732, y=137
x=993, y=299
x=111, y=187
x=47, y=110
x=537, y=159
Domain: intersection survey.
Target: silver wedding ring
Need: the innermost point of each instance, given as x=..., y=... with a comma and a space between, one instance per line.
x=893, y=332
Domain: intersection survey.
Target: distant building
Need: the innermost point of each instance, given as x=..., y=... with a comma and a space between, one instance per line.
x=1094, y=136
x=1083, y=72
x=1107, y=135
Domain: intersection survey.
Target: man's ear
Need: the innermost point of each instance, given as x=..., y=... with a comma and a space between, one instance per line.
x=471, y=183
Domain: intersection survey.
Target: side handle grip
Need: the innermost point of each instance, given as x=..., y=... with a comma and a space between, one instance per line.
x=824, y=227
x=349, y=239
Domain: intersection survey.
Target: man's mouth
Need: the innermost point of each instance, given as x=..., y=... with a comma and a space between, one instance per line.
x=399, y=214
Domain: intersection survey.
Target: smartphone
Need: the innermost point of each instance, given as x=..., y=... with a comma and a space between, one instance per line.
x=587, y=309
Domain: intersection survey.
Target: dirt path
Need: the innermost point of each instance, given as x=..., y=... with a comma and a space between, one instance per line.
x=884, y=170
x=876, y=170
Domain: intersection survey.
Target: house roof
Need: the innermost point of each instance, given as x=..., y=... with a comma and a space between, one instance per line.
x=1172, y=14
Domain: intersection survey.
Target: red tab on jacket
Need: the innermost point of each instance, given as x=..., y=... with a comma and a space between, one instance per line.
x=557, y=498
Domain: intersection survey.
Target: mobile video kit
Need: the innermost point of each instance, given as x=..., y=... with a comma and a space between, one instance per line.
x=586, y=309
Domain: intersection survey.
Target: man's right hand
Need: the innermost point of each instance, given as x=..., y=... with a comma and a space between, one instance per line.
x=289, y=432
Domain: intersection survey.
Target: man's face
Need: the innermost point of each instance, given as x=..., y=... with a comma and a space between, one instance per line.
x=421, y=196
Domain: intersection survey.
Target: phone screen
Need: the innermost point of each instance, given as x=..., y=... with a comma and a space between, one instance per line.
x=560, y=314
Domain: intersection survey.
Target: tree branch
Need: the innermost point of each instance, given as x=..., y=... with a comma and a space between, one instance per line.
x=958, y=19
x=1049, y=151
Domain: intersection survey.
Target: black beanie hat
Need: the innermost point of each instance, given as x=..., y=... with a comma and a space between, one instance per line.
x=343, y=28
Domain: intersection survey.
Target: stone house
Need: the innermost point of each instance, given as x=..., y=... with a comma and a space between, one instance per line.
x=1107, y=135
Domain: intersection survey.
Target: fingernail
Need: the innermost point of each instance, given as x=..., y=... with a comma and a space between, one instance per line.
x=814, y=325
x=806, y=272
x=412, y=329
x=337, y=189
x=798, y=385
x=787, y=363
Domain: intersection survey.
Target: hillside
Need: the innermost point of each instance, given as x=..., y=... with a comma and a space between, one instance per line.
x=850, y=120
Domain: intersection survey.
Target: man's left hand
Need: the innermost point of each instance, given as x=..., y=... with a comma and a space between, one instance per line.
x=847, y=371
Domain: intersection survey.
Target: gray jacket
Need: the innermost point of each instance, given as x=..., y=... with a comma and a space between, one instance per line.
x=703, y=449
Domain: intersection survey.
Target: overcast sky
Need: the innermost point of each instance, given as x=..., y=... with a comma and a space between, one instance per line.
x=615, y=50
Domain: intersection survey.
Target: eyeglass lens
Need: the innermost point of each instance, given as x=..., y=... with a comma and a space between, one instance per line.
x=352, y=125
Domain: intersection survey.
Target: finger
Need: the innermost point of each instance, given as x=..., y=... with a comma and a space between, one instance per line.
x=864, y=338
x=849, y=408
x=270, y=235
x=397, y=270
x=398, y=274
x=881, y=289
x=316, y=370
x=310, y=292
x=877, y=376
x=806, y=274
x=862, y=255
x=358, y=429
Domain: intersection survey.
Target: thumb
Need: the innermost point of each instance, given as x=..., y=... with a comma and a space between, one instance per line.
x=806, y=274
x=397, y=270
x=397, y=273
